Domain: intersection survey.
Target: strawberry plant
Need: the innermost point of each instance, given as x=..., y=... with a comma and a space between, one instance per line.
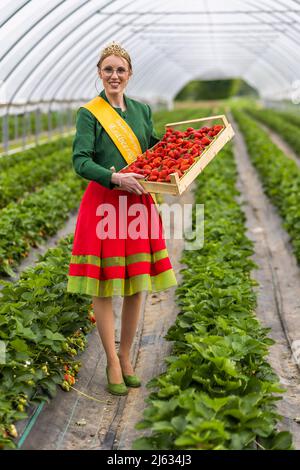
x=292, y=117
x=289, y=131
x=43, y=328
x=30, y=175
x=218, y=391
x=37, y=216
x=23, y=127
x=280, y=176
x=7, y=162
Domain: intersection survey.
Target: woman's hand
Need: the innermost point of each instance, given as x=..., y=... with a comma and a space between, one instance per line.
x=128, y=182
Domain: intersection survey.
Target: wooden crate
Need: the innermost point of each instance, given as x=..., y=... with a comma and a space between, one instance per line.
x=178, y=185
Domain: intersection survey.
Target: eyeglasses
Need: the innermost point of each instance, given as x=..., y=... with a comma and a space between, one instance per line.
x=121, y=71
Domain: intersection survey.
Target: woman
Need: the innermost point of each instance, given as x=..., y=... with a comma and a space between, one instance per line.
x=106, y=264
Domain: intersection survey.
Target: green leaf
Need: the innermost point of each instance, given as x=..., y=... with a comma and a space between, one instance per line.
x=24, y=332
x=163, y=426
x=27, y=296
x=282, y=441
x=179, y=423
x=54, y=336
x=142, y=443
x=19, y=345
x=184, y=441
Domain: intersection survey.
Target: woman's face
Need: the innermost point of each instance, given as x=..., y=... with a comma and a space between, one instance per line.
x=114, y=73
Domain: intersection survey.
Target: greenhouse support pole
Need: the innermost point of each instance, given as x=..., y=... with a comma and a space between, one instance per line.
x=28, y=125
x=60, y=120
x=5, y=132
x=24, y=128
x=37, y=125
x=70, y=118
x=16, y=129
x=39, y=122
x=49, y=122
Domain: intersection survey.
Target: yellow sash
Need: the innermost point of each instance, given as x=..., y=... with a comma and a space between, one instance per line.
x=118, y=130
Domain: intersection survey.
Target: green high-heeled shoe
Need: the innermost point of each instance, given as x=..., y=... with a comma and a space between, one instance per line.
x=132, y=381
x=116, y=389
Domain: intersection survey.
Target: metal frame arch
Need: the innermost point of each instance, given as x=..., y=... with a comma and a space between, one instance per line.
x=52, y=48
x=70, y=55
x=29, y=29
x=263, y=66
x=137, y=16
x=199, y=73
x=162, y=71
x=63, y=54
x=14, y=11
x=85, y=65
x=264, y=22
x=143, y=72
x=286, y=32
x=131, y=34
x=262, y=79
x=272, y=70
x=244, y=46
x=19, y=44
x=82, y=73
x=132, y=87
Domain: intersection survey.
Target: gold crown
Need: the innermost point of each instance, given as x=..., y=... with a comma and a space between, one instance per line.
x=115, y=48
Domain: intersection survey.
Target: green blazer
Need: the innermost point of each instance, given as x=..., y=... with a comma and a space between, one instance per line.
x=93, y=150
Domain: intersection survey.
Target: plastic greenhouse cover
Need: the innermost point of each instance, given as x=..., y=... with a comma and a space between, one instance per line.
x=49, y=50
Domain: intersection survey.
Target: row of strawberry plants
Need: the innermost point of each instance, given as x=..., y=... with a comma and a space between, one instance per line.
x=7, y=162
x=279, y=123
x=28, y=176
x=29, y=126
x=43, y=329
x=218, y=391
x=280, y=175
x=26, y=223
x=292, y=117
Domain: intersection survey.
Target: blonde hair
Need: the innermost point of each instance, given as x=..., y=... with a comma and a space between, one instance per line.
x=114, y=49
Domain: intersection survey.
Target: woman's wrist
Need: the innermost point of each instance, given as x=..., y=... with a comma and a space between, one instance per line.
x=116, y=179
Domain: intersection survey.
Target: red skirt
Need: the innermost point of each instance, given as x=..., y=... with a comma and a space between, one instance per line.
x=119, y=246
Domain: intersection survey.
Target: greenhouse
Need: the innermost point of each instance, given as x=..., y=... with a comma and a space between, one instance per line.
x=149, y=209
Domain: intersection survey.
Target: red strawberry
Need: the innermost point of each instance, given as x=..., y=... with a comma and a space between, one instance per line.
x=205, y=141
x=184, y=167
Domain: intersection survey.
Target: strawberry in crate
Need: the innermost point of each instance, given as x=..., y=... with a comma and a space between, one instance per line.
x=174, y=153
